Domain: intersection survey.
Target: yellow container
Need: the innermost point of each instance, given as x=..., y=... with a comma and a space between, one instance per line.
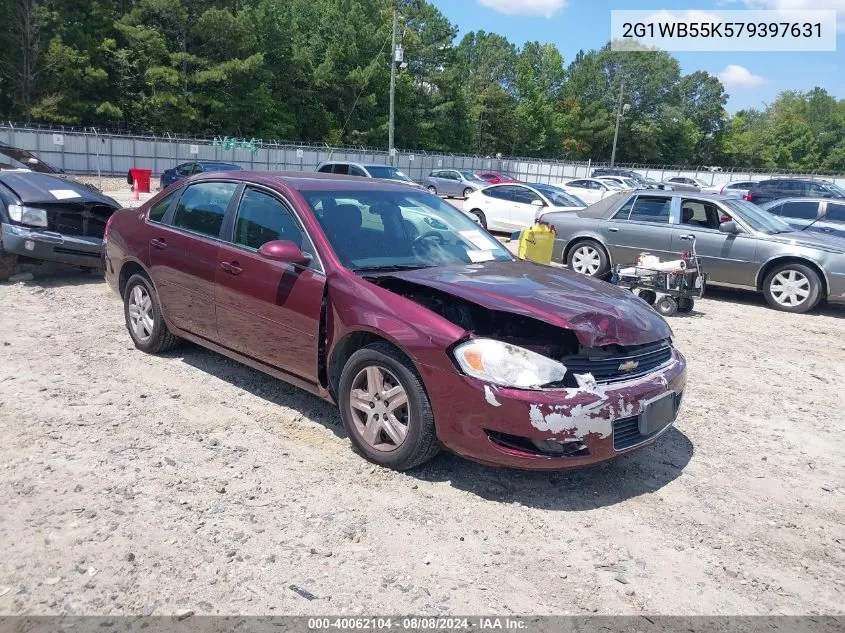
x=536, y=243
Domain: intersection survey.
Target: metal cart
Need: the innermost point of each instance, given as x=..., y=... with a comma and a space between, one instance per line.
x=668, y=292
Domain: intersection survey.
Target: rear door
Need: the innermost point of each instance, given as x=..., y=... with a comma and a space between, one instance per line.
x=268, y=310
x=726, y=257
x=497, y=201
x=641, y=225
x=183, y=256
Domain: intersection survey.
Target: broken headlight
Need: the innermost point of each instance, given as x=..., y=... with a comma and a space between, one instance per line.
x=28, y=215
x=507, y=365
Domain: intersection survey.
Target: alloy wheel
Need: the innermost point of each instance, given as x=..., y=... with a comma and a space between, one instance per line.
x=586, y=260
x=379, y=406
x=790, y=288
x=141, y=313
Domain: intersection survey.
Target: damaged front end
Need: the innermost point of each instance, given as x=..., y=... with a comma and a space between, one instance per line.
x=530, y=393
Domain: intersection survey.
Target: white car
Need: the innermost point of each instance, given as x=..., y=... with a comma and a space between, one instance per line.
x=621, y=183
x=514, y=206
x=736, y=189
x=590, y=190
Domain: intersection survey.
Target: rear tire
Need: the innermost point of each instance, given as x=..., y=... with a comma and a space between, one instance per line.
x=480, y=217
x=792, y=287
x=468, y=192
x=144, y=318
x=588, y=257
x=412, y=421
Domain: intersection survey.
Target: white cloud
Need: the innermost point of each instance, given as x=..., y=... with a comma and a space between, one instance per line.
x=734, y=76
x=546, y=8
x=802, y=5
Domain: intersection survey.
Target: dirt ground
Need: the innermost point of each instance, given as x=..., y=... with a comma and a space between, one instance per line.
x=135, y=484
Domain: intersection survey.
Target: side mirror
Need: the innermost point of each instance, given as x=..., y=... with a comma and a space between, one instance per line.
x=538, y=203
x=729, y=227
x=284, y=251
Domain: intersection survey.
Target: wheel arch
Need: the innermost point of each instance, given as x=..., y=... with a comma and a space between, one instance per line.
x=127, y=269
x=350, y=343
x=577, y=239
x=766, y=268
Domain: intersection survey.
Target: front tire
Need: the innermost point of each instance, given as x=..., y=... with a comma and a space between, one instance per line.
x=432, y=189
x=385, y=408
x=144, y=318
x=666, y=306
x=792, y=287
x=479, y=216
x=8, y=265
x=588, y=258
x=468, y=192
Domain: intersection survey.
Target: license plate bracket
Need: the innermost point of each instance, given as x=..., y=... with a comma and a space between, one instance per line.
x=658, y=413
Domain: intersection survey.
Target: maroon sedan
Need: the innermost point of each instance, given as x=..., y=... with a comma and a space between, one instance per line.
x=389, y=302
x=496, y=177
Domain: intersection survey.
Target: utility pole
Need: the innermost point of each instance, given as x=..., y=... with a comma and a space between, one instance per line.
x=618, y=117
x=390, y=148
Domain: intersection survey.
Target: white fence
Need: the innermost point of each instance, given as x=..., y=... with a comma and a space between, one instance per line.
x=87, y=151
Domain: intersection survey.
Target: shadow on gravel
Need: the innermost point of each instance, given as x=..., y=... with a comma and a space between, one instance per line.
x=261, y=385
x=50, y=275
x=632, y=475
x=747, y=297
x=643, y=471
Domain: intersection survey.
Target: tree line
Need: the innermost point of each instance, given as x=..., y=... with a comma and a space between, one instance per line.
x=318, y=70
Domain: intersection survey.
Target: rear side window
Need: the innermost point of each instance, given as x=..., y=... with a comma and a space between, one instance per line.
x=501, y=193
x=835, y=212
x=818, y=190
x=799, y=210
x=202, y=207
x=263, y=218
x=325, y=169
x=158, y=210
x=341, y=168
x=651, y=209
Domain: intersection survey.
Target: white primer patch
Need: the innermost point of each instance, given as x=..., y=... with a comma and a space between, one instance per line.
x=479, y=240
x=480, y=256
x=490, y=397
x=580, y=419
x=64, y=194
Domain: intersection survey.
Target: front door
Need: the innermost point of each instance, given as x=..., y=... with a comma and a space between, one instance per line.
x=640, y=226
x=183, y=256
x=726, y=257
x=524, y=209
x=269, y=310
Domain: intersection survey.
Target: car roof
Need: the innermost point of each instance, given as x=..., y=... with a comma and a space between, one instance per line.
x=308, y=180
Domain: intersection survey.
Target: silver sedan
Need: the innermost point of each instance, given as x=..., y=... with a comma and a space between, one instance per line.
x=741, y=245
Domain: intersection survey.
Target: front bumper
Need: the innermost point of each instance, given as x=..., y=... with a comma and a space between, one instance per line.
x=480, y=421
x=75, y=250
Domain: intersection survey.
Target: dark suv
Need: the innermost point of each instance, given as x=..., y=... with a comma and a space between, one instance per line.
x=778, y=188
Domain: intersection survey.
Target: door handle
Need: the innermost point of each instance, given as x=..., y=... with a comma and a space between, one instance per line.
x=613, y=230
x=231, y=267
x=158, y=243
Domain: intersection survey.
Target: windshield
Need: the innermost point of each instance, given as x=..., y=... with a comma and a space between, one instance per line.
x=560, y=198
x=384, y=171
x=834, y=188
x=13, y=158
x=757, y=218
x=469, y=175
x=389, y=230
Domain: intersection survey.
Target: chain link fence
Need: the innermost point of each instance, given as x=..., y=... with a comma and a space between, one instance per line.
x=93, y=152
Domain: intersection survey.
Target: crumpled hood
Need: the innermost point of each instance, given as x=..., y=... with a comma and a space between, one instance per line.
x=35, y=188
x=598, y=313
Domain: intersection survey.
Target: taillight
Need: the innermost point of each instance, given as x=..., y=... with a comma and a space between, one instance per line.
x=748, y=197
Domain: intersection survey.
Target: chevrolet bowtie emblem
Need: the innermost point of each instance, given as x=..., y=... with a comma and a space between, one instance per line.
x=629, y=365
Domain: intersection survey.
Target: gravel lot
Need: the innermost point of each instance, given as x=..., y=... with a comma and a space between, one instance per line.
x=138, y=484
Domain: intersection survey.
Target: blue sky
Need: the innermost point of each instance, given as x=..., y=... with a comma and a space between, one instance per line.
x=751, y=79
